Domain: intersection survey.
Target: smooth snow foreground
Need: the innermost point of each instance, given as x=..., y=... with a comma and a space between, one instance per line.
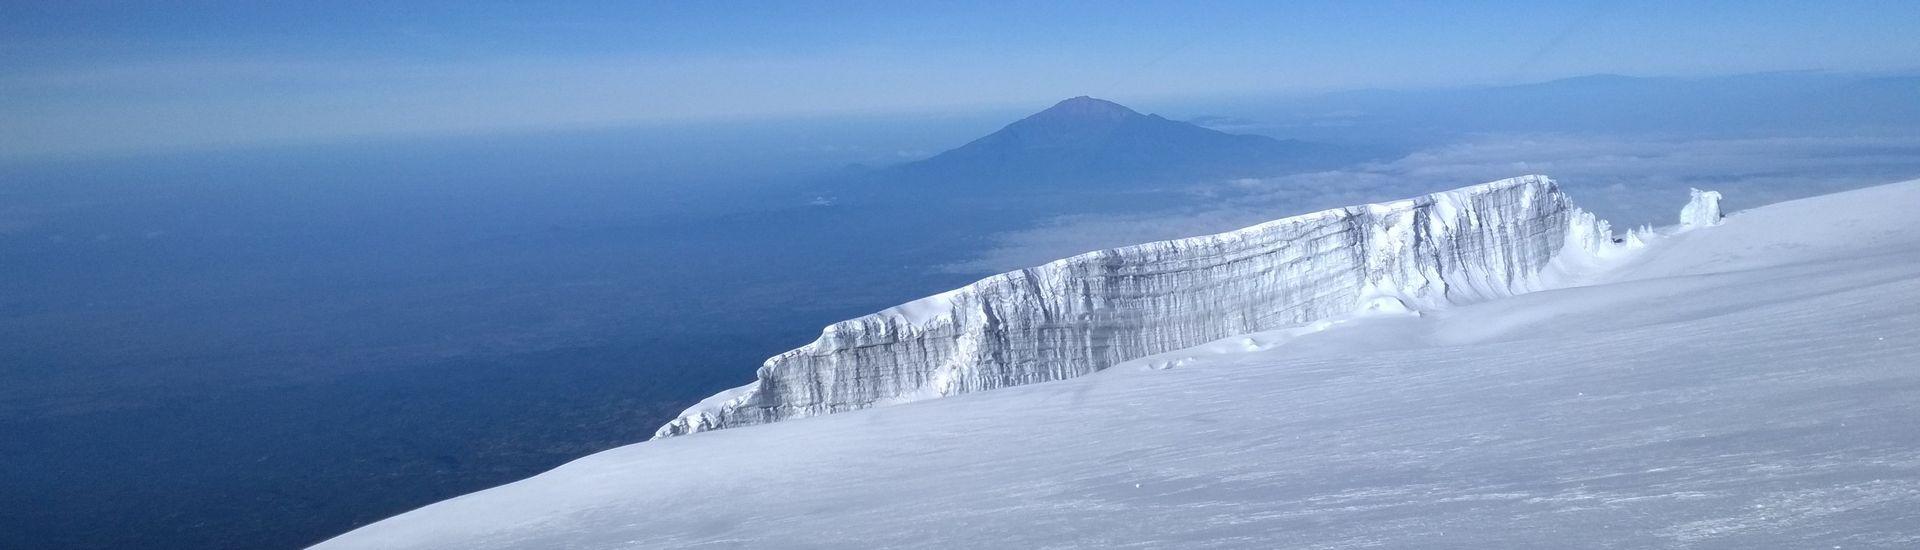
x=1750, y=385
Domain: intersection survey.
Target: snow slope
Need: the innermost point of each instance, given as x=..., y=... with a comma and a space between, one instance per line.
x=1085, y=313
x=1753, y=384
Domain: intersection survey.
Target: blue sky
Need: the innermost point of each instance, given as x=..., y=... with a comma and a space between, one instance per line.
x=84, y=77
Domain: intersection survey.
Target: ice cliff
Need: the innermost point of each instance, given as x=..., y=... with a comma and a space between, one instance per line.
x=1088, y=312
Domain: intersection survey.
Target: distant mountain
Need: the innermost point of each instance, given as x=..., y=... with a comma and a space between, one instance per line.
x=1087, y=140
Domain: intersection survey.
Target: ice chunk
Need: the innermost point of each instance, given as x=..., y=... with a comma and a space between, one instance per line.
x=1702, y=211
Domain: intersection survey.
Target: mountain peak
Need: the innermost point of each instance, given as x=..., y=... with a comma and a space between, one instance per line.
x=1086, y=108
x=1085, y=140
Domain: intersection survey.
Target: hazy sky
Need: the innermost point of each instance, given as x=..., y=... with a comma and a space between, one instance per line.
x=86, y=77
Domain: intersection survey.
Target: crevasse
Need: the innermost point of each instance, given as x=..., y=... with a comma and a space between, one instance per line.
x=1085, y=313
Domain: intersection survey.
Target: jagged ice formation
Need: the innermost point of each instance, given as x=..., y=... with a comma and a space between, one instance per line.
x=1085, y=313
x=1703, y=210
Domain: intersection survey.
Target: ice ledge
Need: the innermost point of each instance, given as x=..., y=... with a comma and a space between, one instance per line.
x=1088, y=312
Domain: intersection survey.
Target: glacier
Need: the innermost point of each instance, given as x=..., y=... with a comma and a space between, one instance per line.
x=1089, y=312
x=1750, y=385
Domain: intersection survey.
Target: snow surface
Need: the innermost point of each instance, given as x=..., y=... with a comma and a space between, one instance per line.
x=1752, y=385
x=1089, y=312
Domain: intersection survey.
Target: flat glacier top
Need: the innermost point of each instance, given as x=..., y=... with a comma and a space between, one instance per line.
x=1753, y=384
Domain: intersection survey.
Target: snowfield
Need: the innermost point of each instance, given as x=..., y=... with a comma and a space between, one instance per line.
x=1754, y=384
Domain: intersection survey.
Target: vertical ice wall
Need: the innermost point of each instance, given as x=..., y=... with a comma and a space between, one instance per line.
x=1088, y=312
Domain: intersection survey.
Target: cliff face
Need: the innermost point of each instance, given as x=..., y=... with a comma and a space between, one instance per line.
x=1088, y=312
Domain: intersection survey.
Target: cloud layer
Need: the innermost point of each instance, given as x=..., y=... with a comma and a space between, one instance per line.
x=1629, y=180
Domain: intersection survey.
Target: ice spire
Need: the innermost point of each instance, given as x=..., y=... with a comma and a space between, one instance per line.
x=1702, y=211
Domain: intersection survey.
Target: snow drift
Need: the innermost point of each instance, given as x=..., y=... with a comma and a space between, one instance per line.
x=1085, y=313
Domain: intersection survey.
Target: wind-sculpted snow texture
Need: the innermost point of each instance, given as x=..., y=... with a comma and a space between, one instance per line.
x=1085, y=313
